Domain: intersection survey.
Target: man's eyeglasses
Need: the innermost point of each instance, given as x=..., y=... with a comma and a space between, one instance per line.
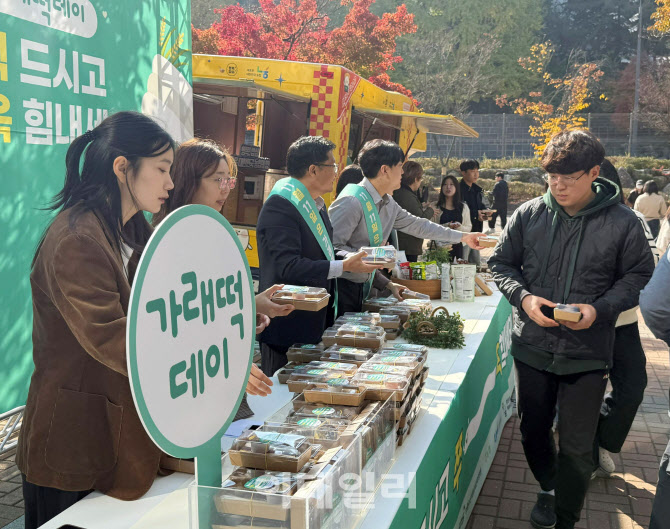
x=567, y=180
x=230, y=183
x=327, y=165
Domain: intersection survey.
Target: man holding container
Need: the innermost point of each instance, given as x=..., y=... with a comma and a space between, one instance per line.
x=579, y=246
x=365, y=214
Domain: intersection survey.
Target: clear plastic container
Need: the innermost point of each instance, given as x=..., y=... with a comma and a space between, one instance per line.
x=411, y=294
x=343, y=353
x=364, y=318
x=304, y=352
x=302, y=298
x=386, y=255
x=390, y=321
x=387, y=369
x=397, y=348
x=299, y=292
x=327, y=411
x=395, y=310
x=362, y=331
x=381, y=381
x=271, y=450
x=347, y=368
x=407, y=359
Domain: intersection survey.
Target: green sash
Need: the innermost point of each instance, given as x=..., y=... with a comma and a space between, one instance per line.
x=296, y=193
x=372, y=222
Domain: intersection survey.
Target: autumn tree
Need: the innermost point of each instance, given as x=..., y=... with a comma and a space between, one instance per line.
x=661, y=17
x=299, y=30
x=559, y=103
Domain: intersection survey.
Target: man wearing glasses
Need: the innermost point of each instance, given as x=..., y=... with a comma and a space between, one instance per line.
x=577, y=245
x=295, y=246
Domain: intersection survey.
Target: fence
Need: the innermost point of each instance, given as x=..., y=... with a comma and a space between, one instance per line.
x=506, y=135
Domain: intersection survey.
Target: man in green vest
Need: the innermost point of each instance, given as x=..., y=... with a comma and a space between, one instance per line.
x=365, y=214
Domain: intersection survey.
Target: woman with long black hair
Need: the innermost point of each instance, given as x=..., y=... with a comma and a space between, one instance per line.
x=452, y=211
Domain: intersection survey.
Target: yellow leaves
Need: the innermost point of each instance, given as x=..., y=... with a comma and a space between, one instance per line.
x=573, y=89
x=661, y=17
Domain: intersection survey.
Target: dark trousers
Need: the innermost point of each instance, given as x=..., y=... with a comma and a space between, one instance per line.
x=272, y=358
x=349, y=296
x=503, y=218
x=411, y=258
x=654, y=227
x=660, y=512
x=628, y=378
x=579, y=397
x=44, y=503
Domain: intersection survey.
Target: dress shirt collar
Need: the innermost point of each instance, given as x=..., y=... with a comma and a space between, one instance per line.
x=376, y=197
x=320, y=203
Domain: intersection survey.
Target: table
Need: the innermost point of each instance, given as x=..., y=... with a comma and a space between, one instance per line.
x=435, y=476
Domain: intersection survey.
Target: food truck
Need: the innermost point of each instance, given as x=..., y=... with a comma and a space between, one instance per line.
x=257, y=107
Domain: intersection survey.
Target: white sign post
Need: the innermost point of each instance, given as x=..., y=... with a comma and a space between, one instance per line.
x=190, y=335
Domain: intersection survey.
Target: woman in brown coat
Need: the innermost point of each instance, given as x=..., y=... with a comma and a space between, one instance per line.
x=80, y=430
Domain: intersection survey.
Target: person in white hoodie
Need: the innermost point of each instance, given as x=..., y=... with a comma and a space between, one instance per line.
x=628, y=375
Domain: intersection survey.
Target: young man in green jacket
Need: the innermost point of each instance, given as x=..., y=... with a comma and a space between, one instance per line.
x=576, y=245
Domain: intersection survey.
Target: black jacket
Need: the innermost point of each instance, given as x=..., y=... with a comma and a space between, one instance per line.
x=409, y=201
x=500, y=194
x=474, y=198
x=289, y=253
x=599, y=257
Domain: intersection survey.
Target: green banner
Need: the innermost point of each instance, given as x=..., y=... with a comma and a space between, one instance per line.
x=64, y=66
x=460, y=454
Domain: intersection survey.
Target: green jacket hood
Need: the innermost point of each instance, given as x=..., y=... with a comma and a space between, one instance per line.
x=607, y=194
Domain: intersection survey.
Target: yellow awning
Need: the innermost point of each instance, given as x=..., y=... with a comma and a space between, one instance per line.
x=237, y=88
x=433, y=123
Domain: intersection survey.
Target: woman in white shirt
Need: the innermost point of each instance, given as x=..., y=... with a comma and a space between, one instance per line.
x=664, y=234
x=652, y=205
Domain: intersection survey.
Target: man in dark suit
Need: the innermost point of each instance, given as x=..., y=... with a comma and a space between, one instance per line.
x=292, y=252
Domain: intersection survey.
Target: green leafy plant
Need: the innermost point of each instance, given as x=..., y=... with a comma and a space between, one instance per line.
x=448, y=327
x=439, y=255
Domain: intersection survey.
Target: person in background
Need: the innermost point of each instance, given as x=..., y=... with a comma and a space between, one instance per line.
x=453, y=212
x=655, y=309
x=576, y=245
x=407, y=198
x=292, y=251
x=204, y=173
x=500, y=196
x=628, y=375
x=381, y=162
x=351, y=174
x=632, y=196
x=81, y=430
x=652, y=205
x=663, y=238
x=473, y=196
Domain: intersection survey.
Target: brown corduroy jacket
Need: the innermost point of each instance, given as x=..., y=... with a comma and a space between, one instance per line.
x=81, y=430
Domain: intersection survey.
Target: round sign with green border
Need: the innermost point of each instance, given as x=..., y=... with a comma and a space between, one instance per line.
x=190, y=335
